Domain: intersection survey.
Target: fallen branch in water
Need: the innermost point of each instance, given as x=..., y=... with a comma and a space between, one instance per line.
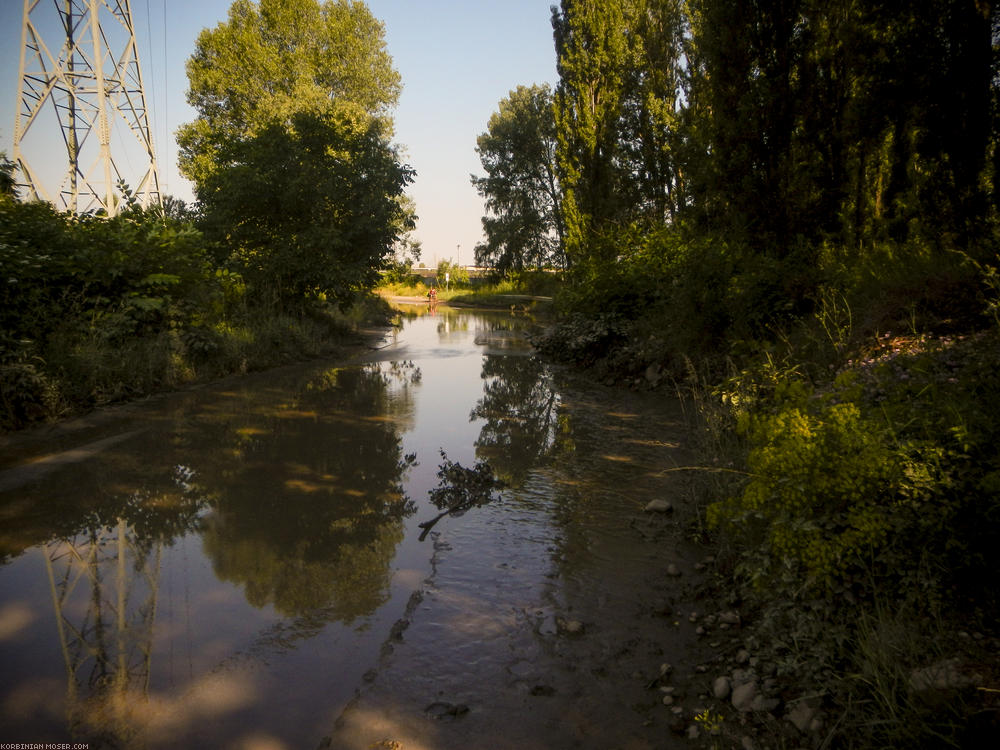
x=460, y=489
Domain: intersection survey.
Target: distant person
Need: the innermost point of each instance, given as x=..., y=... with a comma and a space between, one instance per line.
x=432, y=295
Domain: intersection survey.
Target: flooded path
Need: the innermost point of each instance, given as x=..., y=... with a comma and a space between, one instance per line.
x=239, y=566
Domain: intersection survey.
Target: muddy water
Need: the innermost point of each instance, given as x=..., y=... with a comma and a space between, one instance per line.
x=240, y=566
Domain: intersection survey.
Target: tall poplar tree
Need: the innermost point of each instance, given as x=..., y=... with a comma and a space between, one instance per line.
x=593, y=59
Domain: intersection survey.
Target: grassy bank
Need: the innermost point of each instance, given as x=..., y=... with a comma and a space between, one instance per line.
x=80, y=368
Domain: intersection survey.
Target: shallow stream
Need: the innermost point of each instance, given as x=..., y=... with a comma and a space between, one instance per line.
x=240, y=565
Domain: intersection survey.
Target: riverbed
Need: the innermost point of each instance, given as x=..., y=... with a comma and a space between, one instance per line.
x=241, y=565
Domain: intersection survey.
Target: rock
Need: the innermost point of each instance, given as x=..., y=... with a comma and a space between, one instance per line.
x=654, y=374
x=665, y=669
x=742, y=656
x=692, y=732
x=741, y=676
x=673, y=570
x=721, y=687
x=570, y=627
x=659, y=506
x=662, y=608
x=730, y=618
x=442, y=710
x=700, y=630
x=668, y=700
x=767, y=705
x=943, y=675
x=743, y=696
x=801, y=716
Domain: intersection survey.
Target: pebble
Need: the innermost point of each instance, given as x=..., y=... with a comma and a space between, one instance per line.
x=658, y=506
x=572, y=627
x=668, y=700
x=742, y=656
x=730, y=618
x=801, y=716
x=673, y=570
x=721, y=687
x=665, y=669
x=744, y=695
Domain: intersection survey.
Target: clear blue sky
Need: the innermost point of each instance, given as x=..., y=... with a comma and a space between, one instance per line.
x=457, y=59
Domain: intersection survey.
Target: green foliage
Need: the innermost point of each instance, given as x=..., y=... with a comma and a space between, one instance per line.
x=455, y=274
x=461, y=488
x=821, y=489
x=308, y=206
x=305, y=56
x=296, y=178
x=7, y=179
x=894, y=460
x=523, y=227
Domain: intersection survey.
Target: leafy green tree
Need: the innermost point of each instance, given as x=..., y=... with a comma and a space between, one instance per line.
x=451, y=273
x=594, y=52
x=650, y=125
x=275, y=58
x=518, y=152
x=311, y=208
x=290, y=154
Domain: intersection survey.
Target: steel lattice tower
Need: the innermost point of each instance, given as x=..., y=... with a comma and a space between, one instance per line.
x=81, y=57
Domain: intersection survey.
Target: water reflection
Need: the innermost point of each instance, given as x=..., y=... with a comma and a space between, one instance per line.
x=310, y=515
x=520, y=406
x=296, y=492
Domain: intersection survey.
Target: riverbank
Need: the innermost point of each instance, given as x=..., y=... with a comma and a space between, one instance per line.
x=849, y=503
x=75, y=375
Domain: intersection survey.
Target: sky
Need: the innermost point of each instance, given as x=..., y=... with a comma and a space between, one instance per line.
x=457, y=60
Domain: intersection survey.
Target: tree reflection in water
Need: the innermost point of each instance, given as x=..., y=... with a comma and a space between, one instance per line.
x=310, y=517
x=520, y=407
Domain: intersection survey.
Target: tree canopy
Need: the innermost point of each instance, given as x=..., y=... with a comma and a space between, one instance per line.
x=524, y=226
x=294, y=171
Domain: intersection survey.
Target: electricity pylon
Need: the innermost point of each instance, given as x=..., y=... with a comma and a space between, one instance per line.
x=104, y=591
x=81, y=57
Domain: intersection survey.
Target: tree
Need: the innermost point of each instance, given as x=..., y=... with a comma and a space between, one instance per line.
x=309, y=207
x=593, y=58
x=523, y=226
x=278, y=57
x=290, y=153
